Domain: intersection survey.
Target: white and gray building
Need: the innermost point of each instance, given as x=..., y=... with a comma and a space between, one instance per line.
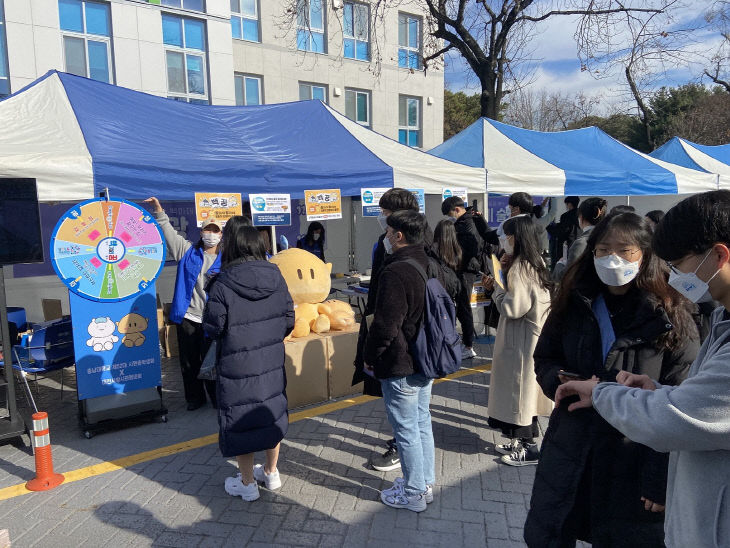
x=237, y=52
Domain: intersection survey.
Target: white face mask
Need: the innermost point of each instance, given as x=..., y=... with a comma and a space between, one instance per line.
x=315, y=237
x=615, y=271
x=690, y=285
x=508, y=247
x=211, y=239
x=388, y=246
x=382, y=220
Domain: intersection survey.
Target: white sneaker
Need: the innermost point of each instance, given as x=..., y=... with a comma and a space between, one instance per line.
x=234, y=486
x=468, y=353
x=398, y=486
x=395, y=497
x=272, y=481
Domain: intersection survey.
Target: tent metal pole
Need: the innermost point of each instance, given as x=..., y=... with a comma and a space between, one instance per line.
x=273, y=240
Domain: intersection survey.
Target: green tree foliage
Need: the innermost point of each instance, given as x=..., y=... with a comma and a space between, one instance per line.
x=670, y=103
x=460, y=111
x=626, y=128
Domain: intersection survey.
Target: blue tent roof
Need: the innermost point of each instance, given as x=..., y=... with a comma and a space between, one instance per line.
x=134, y=138
x=678, y=150
x=80, y=136
x=577, y=162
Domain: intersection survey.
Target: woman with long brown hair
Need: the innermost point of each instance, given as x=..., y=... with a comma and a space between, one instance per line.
x=614, y=312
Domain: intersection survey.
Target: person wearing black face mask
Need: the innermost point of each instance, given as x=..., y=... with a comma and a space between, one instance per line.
x=690, y=421
x=195, y=263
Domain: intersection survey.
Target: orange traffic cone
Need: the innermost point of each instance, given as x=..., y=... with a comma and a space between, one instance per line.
x=44, y=479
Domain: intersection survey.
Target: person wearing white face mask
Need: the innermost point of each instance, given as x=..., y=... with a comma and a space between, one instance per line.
x=195, y=263
x=313, y=241
x=614, y=314
x=690, y=421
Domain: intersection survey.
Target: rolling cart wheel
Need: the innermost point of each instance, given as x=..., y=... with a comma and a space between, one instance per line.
x=164, y=418
x=88, y=435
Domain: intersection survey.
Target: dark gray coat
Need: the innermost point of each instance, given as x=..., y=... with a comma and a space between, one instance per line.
x=250, y=311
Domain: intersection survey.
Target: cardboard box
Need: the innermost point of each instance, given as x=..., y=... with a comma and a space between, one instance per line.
x=341, y=350
x=166, y=312
x=306, y=370
x=170, y=338
x=52, y=309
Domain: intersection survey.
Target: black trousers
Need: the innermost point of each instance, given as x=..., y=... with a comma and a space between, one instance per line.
x=193, y=345
x=463, y=308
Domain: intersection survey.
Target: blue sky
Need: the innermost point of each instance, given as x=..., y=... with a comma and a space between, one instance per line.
x=557, y=68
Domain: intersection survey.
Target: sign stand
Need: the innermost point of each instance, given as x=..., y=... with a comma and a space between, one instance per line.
x=109, y=254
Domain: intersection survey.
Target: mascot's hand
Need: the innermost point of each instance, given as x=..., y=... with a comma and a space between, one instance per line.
x=301, y=328
x=321, y=324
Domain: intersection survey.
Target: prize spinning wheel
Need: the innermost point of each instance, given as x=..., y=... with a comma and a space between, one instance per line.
x=107, y=250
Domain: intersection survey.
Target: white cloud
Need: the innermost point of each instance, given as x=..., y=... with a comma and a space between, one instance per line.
x=555, y=42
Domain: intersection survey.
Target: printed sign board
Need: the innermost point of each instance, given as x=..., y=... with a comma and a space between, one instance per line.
x=217, y=205
x=448, y=192
x=323, y=205
x=270, y=209
x=371, y=200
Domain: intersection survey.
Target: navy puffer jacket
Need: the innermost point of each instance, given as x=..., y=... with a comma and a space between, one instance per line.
x=250, y=311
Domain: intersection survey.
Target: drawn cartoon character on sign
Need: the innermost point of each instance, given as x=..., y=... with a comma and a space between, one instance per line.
x=102, y=334
x=132, y=326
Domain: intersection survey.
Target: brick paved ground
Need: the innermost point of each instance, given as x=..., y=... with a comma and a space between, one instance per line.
x=329, y=497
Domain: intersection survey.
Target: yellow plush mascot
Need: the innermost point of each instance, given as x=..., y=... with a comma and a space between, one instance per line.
x=308, y=280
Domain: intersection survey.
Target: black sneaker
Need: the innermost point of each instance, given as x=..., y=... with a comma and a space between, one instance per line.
x=387, y=462
x=524, y=455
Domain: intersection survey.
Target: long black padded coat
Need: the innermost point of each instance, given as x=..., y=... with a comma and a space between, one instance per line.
x=249, y=311
x=590, y=477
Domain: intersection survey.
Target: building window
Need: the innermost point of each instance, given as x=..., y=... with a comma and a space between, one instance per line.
x=409, y=41
x=86, y=31
x=4, y=74
x=409, y=121
x=357, y=106
x=312, y=91
x=357, y=31
x=187, y=75
x=310, y=25
x=245, y=20
x=249, y=90
x=194, y=5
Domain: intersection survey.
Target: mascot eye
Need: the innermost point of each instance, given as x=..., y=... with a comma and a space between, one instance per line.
x=311, y=271
x=299, y=271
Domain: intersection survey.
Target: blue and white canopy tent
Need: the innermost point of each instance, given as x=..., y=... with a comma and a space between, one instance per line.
x=577, y=162
x=77, y=136
x=710, y=159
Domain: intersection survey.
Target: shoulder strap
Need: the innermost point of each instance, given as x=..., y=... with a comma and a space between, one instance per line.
x=419, y=268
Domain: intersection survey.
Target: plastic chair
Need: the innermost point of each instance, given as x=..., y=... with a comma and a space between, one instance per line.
x=48, y=349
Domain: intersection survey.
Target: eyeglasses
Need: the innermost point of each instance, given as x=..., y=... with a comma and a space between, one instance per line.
x=626, y=253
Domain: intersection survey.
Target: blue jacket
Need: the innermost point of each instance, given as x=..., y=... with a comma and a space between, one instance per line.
x=188, y=270
x=250, y=311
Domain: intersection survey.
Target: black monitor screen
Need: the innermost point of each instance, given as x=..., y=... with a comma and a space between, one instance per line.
x=20, y=222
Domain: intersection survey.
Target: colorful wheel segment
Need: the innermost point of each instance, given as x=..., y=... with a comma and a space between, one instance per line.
x=107, y=250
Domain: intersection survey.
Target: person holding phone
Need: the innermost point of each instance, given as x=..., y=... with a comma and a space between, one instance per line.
x=515, y=400
x=614, y=311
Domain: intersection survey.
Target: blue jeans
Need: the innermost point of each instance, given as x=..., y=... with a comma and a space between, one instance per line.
x=406, y=402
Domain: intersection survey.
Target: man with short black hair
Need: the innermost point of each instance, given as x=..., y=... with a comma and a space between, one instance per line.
x=471, y=244
x=394, y=199
x=399, y=311
x=691, y=421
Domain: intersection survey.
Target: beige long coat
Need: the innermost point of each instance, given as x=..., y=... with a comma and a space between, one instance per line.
x=514, y=395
